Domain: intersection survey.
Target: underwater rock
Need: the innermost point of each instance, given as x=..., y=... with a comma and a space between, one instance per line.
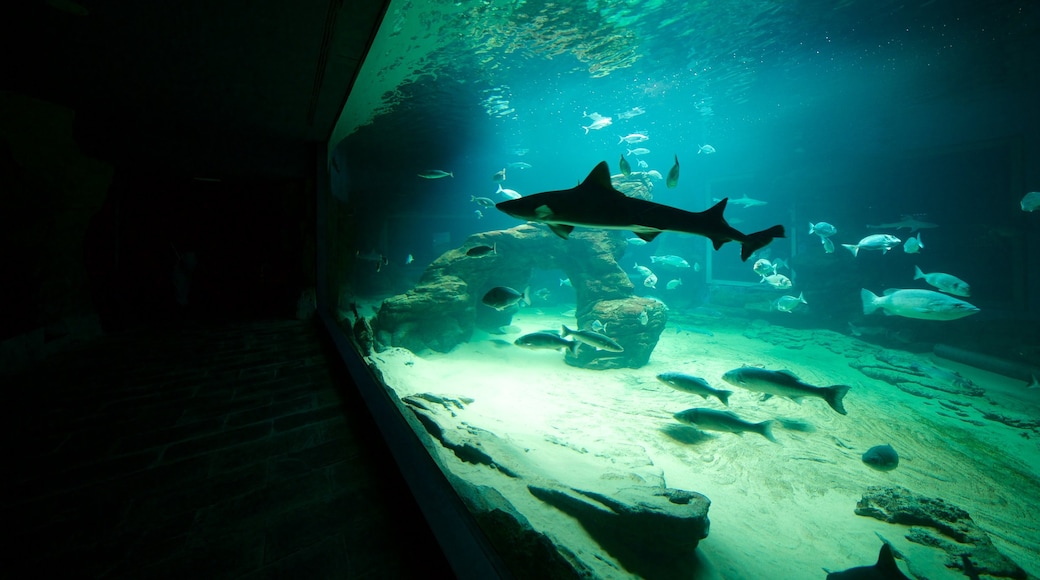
x=652, y=531
x=905, y=370
x=444, y=308
x=637, y=185
x=898, y=505
x=622, y=321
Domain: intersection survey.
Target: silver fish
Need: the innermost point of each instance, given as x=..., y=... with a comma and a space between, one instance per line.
x=725, y=421
x=785, y=384
x=694, y=385
x=946, y=282
x=593, y=339
x=920, y=304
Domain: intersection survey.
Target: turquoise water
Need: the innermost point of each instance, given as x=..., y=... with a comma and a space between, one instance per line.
x=877, y=118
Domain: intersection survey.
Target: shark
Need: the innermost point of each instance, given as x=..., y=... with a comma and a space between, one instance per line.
x=905, y=221
x=594, y=203
x=884, y=569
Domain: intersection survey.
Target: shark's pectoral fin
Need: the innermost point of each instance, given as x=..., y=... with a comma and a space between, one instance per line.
x=647, y=236
x=561, y=230
x=717, y=242
x=543, y=212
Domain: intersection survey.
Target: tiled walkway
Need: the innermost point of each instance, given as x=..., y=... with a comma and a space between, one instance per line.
x=198, y=451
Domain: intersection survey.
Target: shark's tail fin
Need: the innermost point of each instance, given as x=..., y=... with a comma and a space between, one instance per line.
x=759, y=240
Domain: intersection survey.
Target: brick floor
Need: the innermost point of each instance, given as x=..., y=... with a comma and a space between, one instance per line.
x=234, y=451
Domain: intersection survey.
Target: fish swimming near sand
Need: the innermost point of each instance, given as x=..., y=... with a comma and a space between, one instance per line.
x=884, y=569
x=547, y=341
x=593, y=339
x=725, y=421
x=694, y=385
x=596, y=204
x=502, y=297
x=785, y=384
x=881, y=457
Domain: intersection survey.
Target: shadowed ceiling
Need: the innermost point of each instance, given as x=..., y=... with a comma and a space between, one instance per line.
x=214, y=88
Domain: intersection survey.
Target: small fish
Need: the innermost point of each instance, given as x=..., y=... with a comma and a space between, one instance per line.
x=764, y=267
x=789, y=303
x=598, y=122
x=883, y=242
x=633, y=138
x=598, y=326
x=566, y=282
x=642, y=164
x=633, y=112
x=482, y=201
x=778, y=281
x=543, y=293
x=638, y=151
x=519, y=165
x=673, y=175
x=725, y=421
x=694, y=385
x=913, y=245
x=655, y=174
x=502, y=297
x=644, y=319
x=651, y=281
x=705, y=149
x=696, y=266
x=626, y=169
x=547, y=341
x=673, y=284
x=477, y=251
x=510, y=193
x=634, y=241
x=435, y=174
x=785, y=384
x=822, y=229
x=593, y=339
x=947, y=283
x=376, y=257
x=1031, y=201
x=642, y=270
x=905, y=222
x=919, y=304
x=479, y=214
x=409, y=259
x=881, y=457
x=828, y=245
x=670, y=260
x=499, y=175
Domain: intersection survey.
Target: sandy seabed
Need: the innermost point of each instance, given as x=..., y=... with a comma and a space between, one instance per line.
x=778, y=510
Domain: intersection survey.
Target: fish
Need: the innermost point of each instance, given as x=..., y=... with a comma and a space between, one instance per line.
x=499, y=175
x=946, y=282
x=510, y=193
x=747, y=201
x=670, y=260
x=705, y=149
x=694, y=385
x=638, y=151
x=548, y=341
x=371, y=256
x=482, y=201
x=566, y=282
x=822, y=229
x=435, y=174
x=650, y=281
x=784, y=383
x=778, y=281
x=644, y=318
x=633, y=112
x=905, y=222
x=502, y=297
x=673, y=284
x=696, y=266
x=642, y=270
x=881, y=457
x=764, y=267
x=673, y=175
x=883, y=242
x=634, y=241
x=884, y=569
x=477, y=251
x=1031, y=201
x=543, y=293
x=626, y=169
x=828, y=245
x=726, y=421
x=519, y=165
x=920, y=304
x=655, y=174
x=593, y=339
x=409, y=260
x=598, y=326
x=642, y=164
x=596, y=204
x=913, y=245
x=598, y=122
x=789, y=303
x=633, y=138
x=479, y=214
x=1033, y=385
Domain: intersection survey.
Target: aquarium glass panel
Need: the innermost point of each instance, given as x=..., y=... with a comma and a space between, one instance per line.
x=630, y=267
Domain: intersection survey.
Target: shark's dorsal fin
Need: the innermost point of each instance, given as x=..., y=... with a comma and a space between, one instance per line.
x=600, y=179
x=715, y=212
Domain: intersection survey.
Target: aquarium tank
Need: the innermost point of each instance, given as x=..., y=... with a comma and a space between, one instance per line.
x=738, y=289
